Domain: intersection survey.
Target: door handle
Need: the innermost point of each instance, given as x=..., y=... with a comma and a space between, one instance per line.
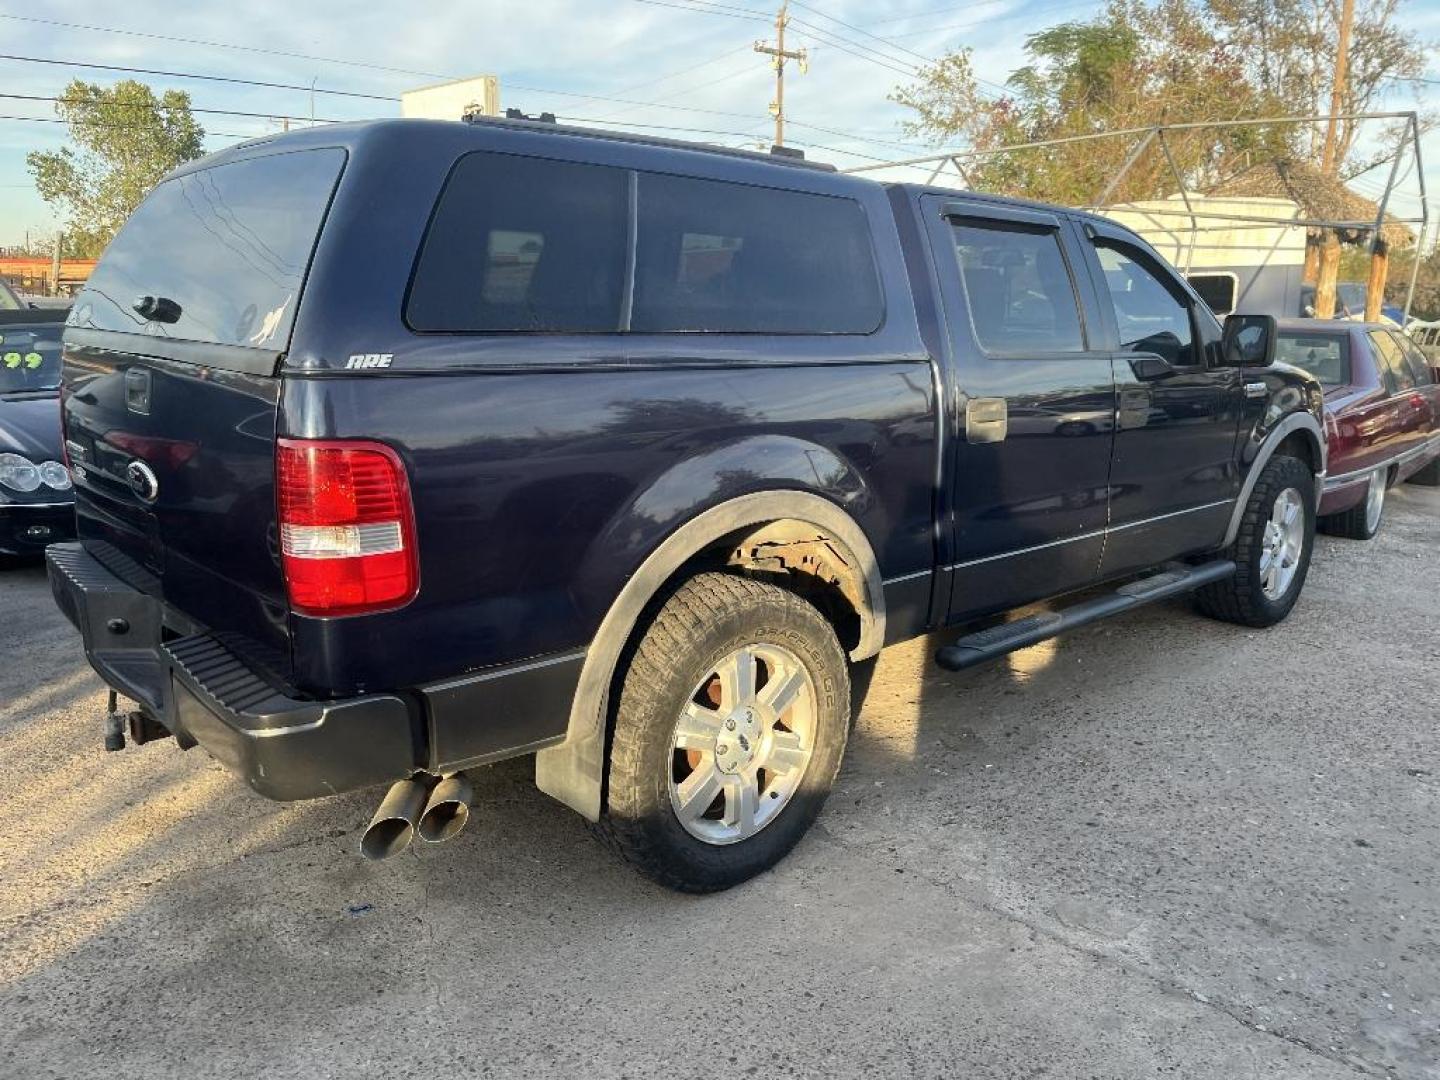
x=987, y=420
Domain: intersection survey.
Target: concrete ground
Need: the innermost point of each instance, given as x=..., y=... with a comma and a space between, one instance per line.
x=1160, y=846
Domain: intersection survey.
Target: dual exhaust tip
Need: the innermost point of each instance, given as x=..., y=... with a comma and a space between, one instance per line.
x=435, y=812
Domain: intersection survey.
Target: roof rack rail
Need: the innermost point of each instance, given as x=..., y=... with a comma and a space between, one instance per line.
x=542, y=118
x=513, y=118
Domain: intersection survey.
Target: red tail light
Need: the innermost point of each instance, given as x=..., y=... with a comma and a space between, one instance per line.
x=347, y=527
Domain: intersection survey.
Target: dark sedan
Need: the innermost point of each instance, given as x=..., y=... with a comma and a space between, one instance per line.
x=1382, y=415
x=37, y=506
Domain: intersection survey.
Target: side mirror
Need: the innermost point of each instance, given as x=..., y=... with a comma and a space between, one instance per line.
x=1249, y=340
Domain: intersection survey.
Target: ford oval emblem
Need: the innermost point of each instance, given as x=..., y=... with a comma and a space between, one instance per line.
x=143, y=481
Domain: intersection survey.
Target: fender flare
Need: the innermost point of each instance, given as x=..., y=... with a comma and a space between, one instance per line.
x=1296, y=421
x=574, y=771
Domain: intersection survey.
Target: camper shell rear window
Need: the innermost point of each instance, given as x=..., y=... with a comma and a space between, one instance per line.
x=229, y=246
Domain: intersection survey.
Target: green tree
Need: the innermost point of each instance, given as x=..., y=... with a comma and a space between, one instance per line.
x=1289, y=51
x=125, y=139
x=1148, y=62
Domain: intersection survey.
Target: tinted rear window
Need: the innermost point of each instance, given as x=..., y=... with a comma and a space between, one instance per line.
x=524, y=244
x=728, y=258
x=229, y=244
x=1326, y=356
x=527, y=244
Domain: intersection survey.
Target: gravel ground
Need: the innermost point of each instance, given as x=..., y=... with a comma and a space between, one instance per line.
x=1160, y=846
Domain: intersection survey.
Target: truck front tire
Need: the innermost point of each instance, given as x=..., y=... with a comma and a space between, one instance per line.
x=729, y=729
x=1271, y=551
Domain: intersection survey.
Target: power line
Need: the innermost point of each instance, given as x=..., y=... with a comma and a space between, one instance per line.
x=844, y=44
x=322, y=59
x=194, y=75
x=1030, y=15
x=830, y=39
x=689, y=69
x=158, y=108
x=733, y=13
x=938, y=11
x=654, y=127
x=220, y=45
x=130, y=127
x=263, y=134
x=858, y=30
x=748, y=69
x=824, y=35
x=349, y=93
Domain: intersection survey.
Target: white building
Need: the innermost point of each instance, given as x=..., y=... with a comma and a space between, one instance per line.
x=1237, y=252
x=452, y=100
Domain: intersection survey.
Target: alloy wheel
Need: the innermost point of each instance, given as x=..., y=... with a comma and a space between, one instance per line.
x=1284, y=541
x=742, y=743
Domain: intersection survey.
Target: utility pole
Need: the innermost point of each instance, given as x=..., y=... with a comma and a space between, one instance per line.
x=55, y=266
x=1330, y=164
x=780, y=55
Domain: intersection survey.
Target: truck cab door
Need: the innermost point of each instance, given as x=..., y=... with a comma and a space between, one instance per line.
x=1031, y=406
x=1175, y=478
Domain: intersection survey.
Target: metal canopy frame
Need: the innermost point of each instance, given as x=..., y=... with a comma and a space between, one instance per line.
x=1143, y=137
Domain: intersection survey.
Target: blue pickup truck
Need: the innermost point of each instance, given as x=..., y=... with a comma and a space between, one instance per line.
x=405, y=447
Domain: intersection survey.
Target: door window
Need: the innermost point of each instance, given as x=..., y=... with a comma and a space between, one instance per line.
x=1150, y=313
x=1392, y=363
x=1018, y=288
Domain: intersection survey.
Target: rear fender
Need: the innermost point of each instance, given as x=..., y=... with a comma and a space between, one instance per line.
x=665, y=517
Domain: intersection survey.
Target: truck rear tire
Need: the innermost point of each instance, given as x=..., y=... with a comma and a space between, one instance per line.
x=1271, y=551
x=729, y=729
x=1362, y=521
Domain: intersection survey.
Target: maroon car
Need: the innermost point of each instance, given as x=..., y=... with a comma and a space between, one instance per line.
x=1382, y=415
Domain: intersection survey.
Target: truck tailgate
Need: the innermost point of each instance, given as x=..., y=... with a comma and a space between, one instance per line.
x=170, y=389
x=174, y=469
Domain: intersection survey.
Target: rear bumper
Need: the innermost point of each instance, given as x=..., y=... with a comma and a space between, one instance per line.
x=25, y=528
x=188, y=680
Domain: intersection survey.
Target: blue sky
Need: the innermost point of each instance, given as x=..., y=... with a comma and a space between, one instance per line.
x=696, y=70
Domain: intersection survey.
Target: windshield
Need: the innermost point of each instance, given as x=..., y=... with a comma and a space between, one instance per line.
x=1326, y=356
x=221, y=253
x=29, y=358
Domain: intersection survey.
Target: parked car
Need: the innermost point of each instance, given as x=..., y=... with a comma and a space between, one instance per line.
x=36, y=503
x=1382, y=415
x=618, y=452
